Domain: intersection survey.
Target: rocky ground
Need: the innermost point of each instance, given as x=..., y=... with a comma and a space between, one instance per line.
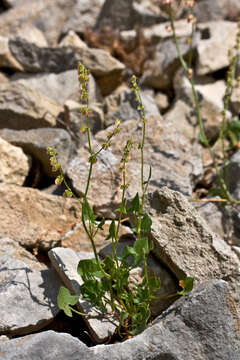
x=41, y=235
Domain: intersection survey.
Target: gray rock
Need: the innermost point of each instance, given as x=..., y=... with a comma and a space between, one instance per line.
x=47, y=17
x=13, y=3
x=116, y=14
x=14, y=164
x=232, y=177
x=202, y=325
x=216, y=10
x=58, y=87
x=160, y=32
x=65, y=262
x=72, y=39
x=28, y=295
x=122, y=105
x=161, y=69
x=165, y=150
x=37, y=59
x=44, y=221
x=106, y=69
x=210, y=94
x=185, y=243
x=218, y=37
x=40, y=220
x=84, y=16
x=76, y=120
x=6, y=57
x=22, y=108
x=35, y=142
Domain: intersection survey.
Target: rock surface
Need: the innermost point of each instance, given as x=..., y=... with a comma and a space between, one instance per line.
x=22, y=108
x=186, y=245
x=35, y=142
x=28, y=296
x=14, y=164
x=186, y=325
x=213, y=50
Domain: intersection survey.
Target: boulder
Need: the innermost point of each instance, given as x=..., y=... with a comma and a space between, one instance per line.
x=160, y=70
x=72, y=39
x=185, y=243
x=22, y=108
x=123, y=105
x=7, y=60
x=40, y=220
x=218, y=37
x=58, y=87
x=43, y=221
x=84, y=16
x=14, y=164
x=35, y=142
x=28, y=295
x=116, y=14
x=47, y=17
x=210, y=94
x=216, y=10
x=105, y=68
x=203, y=324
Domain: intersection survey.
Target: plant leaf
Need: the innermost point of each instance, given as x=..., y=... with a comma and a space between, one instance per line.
x=87, y=211
x=146, y=224
x=135, y=204
x=65, y=299
x=89, y=268
x=187, y=285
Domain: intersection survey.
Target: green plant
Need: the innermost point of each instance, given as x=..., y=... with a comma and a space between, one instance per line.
x=228, y=129
x=106, y=283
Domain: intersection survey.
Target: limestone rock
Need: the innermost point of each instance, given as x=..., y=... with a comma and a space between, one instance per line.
x=65, y=262
x=22, y=108
x=165, y=150
x=106, y=69
x=211, y=94
x=122, y=105
x=160, y=70
x=202, y=325
x=33, y=35
x=184, y=242
x=159, y=32
x=72, y=39
x=76, y=120
x=216, y=10
x=58, y=87
x=14, y=164
x=28, y=294
x=48, y=17
x=218, y=37
x=35, y=142
x=40, y=220
x=117, y=14
x=84, y=16
x=6, y=57
x=43, y=220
